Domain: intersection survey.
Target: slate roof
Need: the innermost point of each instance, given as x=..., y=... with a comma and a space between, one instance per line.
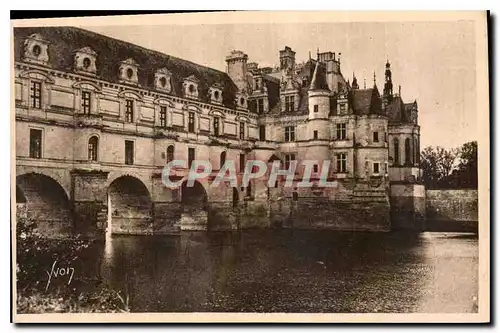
x=399, y=112
x=63, y=41
x=366, y=101
x=318, y=81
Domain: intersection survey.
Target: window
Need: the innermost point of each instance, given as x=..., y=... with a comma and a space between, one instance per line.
x=129, y=152
x=342, y=163
x=375, y=136
x=315, y=168
x=315, y=135
x=342, y=108
x=36, y=95
x=242, y=130
x=191, y=122
x=407, y=152
x=129, y=110
x=222, y=159
x=260, y=105
x=376, y=168
x=289, y=103
x=289, y=133
x=190, y=157
x=93, y=148
x=216, y=126
x=288, y=159
x=163, y=116
x=316, y=108
x=262, y=133
x=341, y=131
x=242, y=162
x=396, y=151
x=35, y=143
x=170, y=153
x=86, y=102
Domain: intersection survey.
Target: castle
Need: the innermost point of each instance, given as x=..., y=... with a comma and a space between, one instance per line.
x=97, y=119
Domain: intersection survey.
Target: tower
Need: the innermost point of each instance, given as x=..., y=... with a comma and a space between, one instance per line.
x=354, y=81
x=287, y=60
x=388, y=95
x=237, y=69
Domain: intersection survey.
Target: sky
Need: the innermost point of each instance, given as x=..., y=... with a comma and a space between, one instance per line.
x=434, y=62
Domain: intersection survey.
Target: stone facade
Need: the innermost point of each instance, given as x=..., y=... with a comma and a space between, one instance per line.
x=97, y=120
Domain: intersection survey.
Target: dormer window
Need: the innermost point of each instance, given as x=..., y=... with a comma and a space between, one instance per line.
x=215, y=93
x=162, y=80
x=190, y=86
x=85, y=61
x=128, y=71
x=241, y=101
x=36, y=50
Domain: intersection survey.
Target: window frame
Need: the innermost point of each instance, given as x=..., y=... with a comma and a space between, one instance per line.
x=288, y=158
x=163, y=116
x=38, y=153
x=341, y=163
x=216, y=126
x=170, y=154
x=129, y=110
x=35, y=94
x=191, y=122
x=289, y=133
x=86, y=102
x=341, y=131
x=242, y=130
x=93, y=149
x=191, y=156
x=376, y=168
x=129, y=156
x=375, y=136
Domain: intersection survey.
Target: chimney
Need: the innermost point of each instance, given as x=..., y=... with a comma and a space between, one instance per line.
x=237, y=69
x=332, y=69
x=287, y=59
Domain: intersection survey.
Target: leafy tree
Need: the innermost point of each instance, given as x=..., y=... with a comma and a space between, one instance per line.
x=437, y=164
x=453, y=168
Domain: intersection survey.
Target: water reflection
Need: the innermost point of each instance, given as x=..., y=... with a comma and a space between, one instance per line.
x=291, y=270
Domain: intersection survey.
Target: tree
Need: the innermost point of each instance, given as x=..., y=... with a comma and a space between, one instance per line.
x=467, y=168
x=437, y=164
x=453, y=168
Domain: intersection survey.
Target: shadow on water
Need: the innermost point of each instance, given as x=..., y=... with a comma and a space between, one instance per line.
x=270, y=271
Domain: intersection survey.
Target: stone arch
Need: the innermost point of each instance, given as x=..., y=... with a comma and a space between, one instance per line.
x=46, y=203
x=195, y=206
x=129, y=206
x=61, y=176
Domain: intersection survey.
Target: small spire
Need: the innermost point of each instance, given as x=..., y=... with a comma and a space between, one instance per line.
x=374, y=79
x=339, y=57
x=399, y=88
x=309, y=55
x=364, y=81
x=317, y=53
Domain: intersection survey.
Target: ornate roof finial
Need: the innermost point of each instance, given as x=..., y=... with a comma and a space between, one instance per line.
x=317, y=53
x=399, y=89
x=339, y=57
x=364, y=81
x=309, y=55
x=374, y=79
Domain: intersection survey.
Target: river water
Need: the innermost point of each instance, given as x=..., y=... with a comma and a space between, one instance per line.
x=294, y=271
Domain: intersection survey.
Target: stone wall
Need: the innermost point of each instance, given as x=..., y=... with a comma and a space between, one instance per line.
x=452, y=209
x=408, y=207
